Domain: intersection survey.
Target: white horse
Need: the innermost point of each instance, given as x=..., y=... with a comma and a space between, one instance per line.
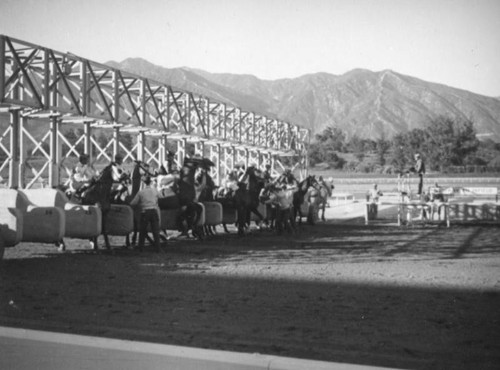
x=318, y=196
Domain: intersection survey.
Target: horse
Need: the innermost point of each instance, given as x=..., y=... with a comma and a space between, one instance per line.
x=319, y=196
x=255, y=182
x=246, y=198
x=99, y=193
x=225, y=196
x=243, y=197
x=185, y=198
x=299, y=197
x=205, y=189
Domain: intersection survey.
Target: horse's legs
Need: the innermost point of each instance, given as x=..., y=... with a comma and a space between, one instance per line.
x=209, y=230
x=256, y=212
x=136, y=229
x=93, y=243
x=291, y=218
x=199, y=229
x=241, y=221
x=311, y=213
x=297, y=212
x=104, y=230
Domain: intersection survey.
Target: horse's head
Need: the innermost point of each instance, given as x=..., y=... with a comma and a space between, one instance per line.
x=99, y=189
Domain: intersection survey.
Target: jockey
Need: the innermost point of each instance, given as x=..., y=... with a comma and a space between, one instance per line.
x=204, y=183
x=290, y=180
x=167, y=186
x=82, y=175
x=117, y=168
x=266, y=174
x=163, y=178
x=119, y=175
x=231, y=183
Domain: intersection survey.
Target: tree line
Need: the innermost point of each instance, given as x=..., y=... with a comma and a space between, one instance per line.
x=445, y=143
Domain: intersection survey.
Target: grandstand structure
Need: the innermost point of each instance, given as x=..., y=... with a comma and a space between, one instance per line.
x=44, y=94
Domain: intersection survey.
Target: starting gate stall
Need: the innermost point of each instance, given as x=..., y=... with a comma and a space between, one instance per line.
x=120, y=220
x=11, y=227
x=56, y=106
x=168, y=219
x=82, y=222
x=213, y=213
x=40, y=224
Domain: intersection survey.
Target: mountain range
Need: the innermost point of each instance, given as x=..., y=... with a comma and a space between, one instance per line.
x=360, y=102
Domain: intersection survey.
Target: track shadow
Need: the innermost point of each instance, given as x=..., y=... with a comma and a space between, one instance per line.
x=149, y=299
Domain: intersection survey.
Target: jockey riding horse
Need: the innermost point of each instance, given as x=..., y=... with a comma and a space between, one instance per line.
x=191, y=211
x=241, y=194
x=300, y=195
x=99, y=192
x=247, y=197
x=319, y=196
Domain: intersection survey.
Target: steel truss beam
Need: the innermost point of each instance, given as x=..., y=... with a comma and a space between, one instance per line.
x=37, y=82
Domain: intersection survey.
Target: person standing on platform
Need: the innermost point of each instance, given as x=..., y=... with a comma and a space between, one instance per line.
x=372, y=197
x=419, y=169
x=147, y=202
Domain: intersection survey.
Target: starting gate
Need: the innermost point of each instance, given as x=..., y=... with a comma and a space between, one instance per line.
x=55, y=106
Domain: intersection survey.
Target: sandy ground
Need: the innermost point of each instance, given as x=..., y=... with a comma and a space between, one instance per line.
x=421, y=297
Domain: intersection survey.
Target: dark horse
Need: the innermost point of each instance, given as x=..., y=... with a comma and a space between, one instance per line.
x=246, y=198
x=300, y=195
x=191, y=211
x=99, y=193
x=206, y=189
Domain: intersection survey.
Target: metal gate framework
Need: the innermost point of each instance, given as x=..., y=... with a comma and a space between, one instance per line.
x=53, y=91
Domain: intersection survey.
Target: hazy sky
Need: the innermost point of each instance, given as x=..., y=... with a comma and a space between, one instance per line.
x=454, y=42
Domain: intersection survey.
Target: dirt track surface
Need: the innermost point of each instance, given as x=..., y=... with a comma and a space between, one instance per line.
x=424, y=297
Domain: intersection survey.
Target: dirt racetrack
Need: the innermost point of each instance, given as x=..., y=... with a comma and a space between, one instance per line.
x=421, y=297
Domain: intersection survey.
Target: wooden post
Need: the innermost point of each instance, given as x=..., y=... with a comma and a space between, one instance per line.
x=14, y=150
x=54, y=153
x=2, y=68
x=87, y=141
x=116, y=142
x=141, y=138
x=22, y=152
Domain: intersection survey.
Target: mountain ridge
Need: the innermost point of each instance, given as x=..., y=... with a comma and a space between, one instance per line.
x=360, y=102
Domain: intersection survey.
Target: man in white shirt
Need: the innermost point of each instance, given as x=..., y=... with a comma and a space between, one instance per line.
x=82, y=174
x=282, y=198
x=147, y=202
